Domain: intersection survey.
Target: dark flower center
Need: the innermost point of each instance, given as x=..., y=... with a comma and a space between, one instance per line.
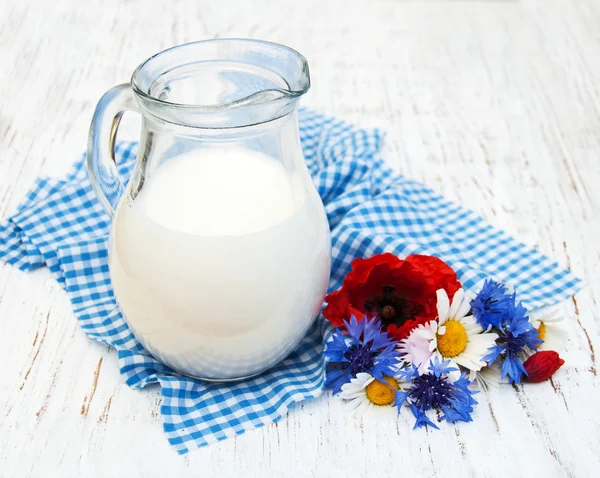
x=388, y=312
x=431, y=392
x=514, y=345
x=489, y=302
x=360, y=359
x=491, y=306
x=391, y=307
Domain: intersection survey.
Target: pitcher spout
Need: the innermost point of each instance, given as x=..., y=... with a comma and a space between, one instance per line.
x=237, y=83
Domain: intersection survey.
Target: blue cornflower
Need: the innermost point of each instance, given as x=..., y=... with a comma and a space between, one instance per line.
x=491, y=304
x=516, y=335
x=435, y=391
x=365, y=349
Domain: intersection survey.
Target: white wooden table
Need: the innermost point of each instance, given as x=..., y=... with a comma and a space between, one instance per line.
x=494, y=103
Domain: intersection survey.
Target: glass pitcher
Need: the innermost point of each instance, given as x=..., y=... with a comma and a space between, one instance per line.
x=220, y=250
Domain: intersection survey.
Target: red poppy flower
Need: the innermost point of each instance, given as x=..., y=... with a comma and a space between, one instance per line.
x=401, y=293
x=542, y=365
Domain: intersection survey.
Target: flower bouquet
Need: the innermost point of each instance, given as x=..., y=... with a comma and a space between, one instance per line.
x=408, y=335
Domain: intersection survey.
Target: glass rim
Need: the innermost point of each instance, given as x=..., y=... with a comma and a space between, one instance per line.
x=302, y=86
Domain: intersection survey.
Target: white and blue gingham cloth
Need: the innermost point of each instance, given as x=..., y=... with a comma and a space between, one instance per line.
x=371, y=210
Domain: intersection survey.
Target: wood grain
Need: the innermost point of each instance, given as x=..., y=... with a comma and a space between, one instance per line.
x=496, y=104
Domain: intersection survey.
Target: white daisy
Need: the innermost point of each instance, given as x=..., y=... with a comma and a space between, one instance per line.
x=455, y=336
x=549, y=323
x=459, y=337
x=364, y=392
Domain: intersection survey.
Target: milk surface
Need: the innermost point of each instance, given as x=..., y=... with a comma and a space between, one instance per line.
x=220, y=262
x=219, y=192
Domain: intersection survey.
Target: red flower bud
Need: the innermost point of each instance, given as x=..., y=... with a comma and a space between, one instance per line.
x=542, y=365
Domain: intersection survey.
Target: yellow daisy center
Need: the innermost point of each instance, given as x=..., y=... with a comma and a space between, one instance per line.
x=454, y=341
x=380, y=393
x=541, y=330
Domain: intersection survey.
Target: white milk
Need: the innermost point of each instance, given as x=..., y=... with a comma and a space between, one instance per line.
x=221, y=262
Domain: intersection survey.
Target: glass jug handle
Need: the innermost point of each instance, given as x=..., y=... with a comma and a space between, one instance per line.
x=101, y=165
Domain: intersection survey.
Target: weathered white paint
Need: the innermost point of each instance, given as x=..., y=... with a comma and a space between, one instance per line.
x=494, y=103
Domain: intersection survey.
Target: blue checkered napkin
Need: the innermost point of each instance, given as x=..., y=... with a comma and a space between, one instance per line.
x=371, y=210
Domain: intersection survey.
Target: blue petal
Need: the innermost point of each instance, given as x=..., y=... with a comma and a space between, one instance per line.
x=381, y=340
x=452, y=415
x=408, y=373
x=354, y=328
x=461, y=405
x=516, y=319
x=490, y=305
x=383, y=368
x=399, y=399
x=512, y=367
x=532, y=339
x=421, y=417
x=463, y=384
x=335, y=379
x=371, y=329
x=336, y=347
x=440, y=368
x=495, y=351
x=368, y=331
